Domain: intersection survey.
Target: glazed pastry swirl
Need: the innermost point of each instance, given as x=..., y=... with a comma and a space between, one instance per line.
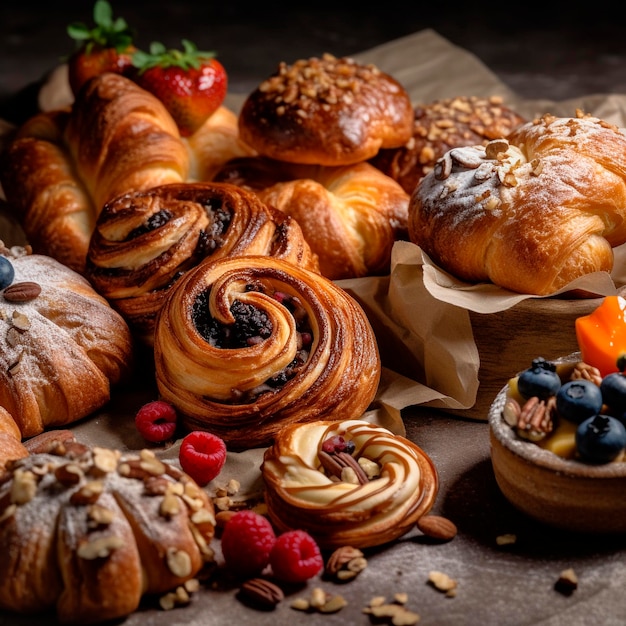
x=300, y=493
x=246, y=345
x=145, y=241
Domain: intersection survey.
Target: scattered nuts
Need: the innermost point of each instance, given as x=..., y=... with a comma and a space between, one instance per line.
x=506, y=539
x=262, y=592
x=437, y=527
x=399, y=614
x=567, y=582
x=442, y=582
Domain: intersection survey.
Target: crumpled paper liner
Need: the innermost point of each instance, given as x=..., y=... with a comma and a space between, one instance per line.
x=443, y=344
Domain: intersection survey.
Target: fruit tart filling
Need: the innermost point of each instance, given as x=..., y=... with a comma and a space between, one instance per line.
x=577, y=409
x=570, y=409
x=253, y=326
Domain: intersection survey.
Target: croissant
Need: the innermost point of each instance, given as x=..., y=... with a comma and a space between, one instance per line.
x=63, y=166
x=350, y=215
x=11, y=446
x=62, y=346
x=347, y=483
x=145, y=241
x=88, y=532
x=246, y=345
x=531, y=213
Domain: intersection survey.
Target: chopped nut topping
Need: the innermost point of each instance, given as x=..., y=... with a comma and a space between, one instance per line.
x=99, y=548
x=535, y=418
x=24, y=486
x=179, y=562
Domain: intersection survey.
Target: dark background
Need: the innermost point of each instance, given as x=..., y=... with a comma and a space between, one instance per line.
x=556, y=51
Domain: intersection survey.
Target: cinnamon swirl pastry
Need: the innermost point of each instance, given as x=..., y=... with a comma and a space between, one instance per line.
x=347, y=483
x=87, y=532
x=145, y=241
x=246, y=345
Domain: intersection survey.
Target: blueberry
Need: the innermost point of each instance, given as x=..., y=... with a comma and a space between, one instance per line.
x=7, y=273
x=540, y=380
x=613, y=388
x=577, y=400
x=600, y=439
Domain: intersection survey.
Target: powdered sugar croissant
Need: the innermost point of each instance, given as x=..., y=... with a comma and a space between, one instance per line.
x=530, y=214
x=246, y=345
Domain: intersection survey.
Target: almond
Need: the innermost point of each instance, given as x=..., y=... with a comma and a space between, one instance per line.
x=437, y=527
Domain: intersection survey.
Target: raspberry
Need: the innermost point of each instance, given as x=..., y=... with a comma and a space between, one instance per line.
x=156, y=421
x=247, y=541
x=202, y=455
x=296, y=557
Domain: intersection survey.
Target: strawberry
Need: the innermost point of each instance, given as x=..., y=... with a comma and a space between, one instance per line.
x=107, y=47
x=191, y=84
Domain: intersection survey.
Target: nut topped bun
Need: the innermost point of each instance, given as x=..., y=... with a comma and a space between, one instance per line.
x=440, y=126
x=62, y=346
x=89, y=531
x=531, y=213
x=326, y=111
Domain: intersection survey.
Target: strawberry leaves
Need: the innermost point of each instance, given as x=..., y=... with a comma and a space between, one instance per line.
x=107, y=32
x=187, y=58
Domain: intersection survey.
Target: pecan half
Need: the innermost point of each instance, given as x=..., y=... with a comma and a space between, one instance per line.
x=262, y=592
x=336, y=462
x=22, y=292
x=535, y=419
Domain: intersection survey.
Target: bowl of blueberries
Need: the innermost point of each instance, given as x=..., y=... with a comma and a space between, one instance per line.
x=558, y=444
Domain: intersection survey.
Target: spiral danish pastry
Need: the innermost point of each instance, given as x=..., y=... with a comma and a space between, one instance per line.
x=244, y=346
x=145, y=241
x=347, y=483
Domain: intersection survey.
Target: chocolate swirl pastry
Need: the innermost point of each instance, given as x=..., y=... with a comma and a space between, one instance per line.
x=87, y=532
x=145, y=241
x=348, y=483
x=244, y=346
